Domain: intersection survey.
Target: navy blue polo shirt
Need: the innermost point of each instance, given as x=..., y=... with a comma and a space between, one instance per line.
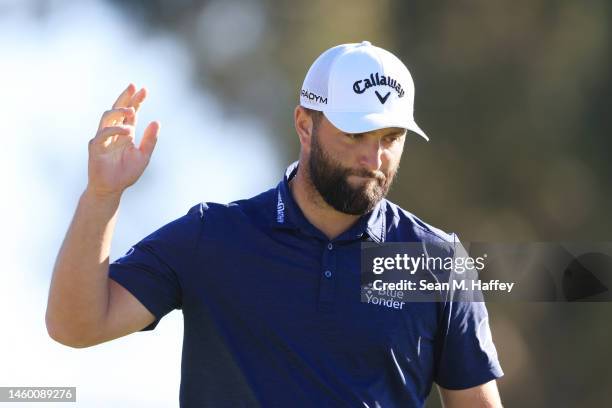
x=273, y=315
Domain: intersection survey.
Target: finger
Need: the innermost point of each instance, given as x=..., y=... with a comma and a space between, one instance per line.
x=149, y=139
x=104, y=133
x=116, y=116
x=135, y=104
x=125, y=96
x=138, y=98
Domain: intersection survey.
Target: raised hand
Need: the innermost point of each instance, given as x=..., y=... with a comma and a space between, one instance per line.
x=115, y=163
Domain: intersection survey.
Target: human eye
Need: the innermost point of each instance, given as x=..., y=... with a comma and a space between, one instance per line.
x=354, y=136
x=392, y=138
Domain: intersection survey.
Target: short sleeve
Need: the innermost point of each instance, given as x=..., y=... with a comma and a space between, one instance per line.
x=152, y=269
x=466, y=356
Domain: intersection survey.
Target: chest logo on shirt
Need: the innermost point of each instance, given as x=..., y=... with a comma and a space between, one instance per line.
x=393, y=299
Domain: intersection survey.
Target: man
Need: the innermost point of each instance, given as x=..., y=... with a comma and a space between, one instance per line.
x=270, y=286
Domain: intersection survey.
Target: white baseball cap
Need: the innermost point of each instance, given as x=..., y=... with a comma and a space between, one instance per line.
x=360, y=88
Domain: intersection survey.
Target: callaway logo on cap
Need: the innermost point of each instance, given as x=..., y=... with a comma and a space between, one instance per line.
x=360, y=88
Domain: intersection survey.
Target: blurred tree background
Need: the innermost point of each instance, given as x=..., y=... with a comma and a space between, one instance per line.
x=514, y=96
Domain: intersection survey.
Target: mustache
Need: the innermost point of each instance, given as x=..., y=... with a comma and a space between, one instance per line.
x=378, y=175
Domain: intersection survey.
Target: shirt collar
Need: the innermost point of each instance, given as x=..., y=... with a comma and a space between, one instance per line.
x=288, y=215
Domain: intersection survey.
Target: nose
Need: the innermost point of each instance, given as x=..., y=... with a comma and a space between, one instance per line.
x=370, y=157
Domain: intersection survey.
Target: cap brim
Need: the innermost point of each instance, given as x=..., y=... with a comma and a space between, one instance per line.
x=359, y=122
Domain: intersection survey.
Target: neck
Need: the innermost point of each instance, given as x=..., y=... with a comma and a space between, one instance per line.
x=328, y=220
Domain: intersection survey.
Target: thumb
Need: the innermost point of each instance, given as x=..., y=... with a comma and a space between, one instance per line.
x=149, y=139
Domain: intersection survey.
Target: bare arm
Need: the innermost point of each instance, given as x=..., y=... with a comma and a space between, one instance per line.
x=85, y=307
x=481, y=396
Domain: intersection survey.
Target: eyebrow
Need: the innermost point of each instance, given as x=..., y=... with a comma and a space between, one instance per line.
x=400, y=132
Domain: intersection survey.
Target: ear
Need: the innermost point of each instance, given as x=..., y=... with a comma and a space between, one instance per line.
x=303, y=126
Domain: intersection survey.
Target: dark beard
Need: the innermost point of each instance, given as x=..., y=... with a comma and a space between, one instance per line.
x=330, y=179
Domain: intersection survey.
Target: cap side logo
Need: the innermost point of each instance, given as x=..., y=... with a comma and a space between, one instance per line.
x=311, y=96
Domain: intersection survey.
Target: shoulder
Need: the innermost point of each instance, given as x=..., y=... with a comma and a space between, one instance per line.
x=180, y=232
x=256, y=209
x=209, y=218
x=402, y=225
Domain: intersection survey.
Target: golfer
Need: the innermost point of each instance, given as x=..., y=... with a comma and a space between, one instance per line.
x=269, y=286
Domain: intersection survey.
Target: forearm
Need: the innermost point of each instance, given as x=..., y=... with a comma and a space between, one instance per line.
x=78, y=296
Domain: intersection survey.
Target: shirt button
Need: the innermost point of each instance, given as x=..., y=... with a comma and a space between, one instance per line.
x=330, y=246
x=327, y=274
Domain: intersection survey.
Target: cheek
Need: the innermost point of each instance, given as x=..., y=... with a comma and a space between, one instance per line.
x=391, y=157
x=343, y=153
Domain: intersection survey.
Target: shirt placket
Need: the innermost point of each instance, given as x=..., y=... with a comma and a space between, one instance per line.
x=328, y=278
